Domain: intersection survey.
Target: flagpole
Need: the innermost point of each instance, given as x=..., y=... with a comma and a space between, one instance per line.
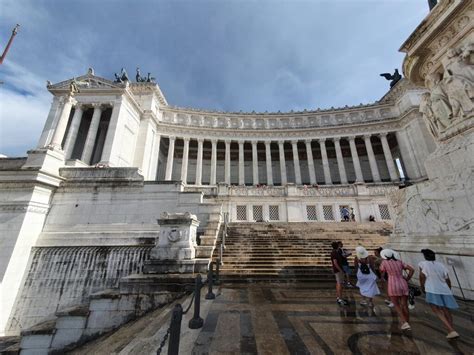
x=14, y=32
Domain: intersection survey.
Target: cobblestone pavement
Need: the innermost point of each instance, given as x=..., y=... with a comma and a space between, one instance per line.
x=305, y=319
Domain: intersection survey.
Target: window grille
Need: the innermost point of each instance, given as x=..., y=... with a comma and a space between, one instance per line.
x=384, y=212
x=311, y=213
x=258, y=213
x=274, y=213
x=242, y=213
x=327, y=212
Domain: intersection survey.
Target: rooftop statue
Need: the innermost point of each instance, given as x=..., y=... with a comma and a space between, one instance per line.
x=395, y=78
x=432, y=3
x=122, y=77
x=142, y=79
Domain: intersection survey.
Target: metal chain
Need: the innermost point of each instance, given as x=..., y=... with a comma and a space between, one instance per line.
x=163, y=342
x=190, y=303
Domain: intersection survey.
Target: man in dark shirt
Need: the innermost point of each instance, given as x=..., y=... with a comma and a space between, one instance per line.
x=336, y=261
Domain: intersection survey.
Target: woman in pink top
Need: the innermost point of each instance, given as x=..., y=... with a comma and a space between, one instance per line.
x=397, y=284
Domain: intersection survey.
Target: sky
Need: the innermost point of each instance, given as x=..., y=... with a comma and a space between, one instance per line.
x=226, y=55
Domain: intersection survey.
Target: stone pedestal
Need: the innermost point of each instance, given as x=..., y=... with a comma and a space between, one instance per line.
x=175, y=251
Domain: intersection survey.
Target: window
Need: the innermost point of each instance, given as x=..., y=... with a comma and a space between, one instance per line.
x=327, y=212
x=242, y=213
x=274, y=213
x=384, y=212
x=258, y=213
x=311, y=213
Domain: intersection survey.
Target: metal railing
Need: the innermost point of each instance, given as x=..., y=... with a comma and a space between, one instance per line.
x=174, y=330
x=225, y=218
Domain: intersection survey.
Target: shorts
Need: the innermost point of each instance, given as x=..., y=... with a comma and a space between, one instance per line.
x=347, y=269
x=339, y=277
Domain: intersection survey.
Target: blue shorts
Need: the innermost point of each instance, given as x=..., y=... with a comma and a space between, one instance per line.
x=447, y=301
x=347, y=269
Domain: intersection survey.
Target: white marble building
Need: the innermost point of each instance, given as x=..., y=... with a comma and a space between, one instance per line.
x=80, y=210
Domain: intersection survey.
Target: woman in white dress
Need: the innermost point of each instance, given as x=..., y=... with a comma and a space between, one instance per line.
x=366, y=277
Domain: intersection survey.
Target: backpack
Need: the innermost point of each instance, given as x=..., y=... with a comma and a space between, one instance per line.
x=364, y=268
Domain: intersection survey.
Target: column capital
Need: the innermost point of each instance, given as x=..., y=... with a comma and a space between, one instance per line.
x=383, y=134
x=308, y=141
x=214, y=141
x=227, y=142
x=241, y=143
x=336, y=139
x=200, y=140
x=79, y=105
x=186, y=139
x=267, y=143
x=97, y=105
x=322, y=140
x=281, y=142
x=294, y=141
x=254, y=143
x=67, y=99
x=172, y=138
x=367, y=136
x=351, y=138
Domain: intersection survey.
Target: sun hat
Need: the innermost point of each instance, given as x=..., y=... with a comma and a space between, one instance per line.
x=361, y=252
x=388, y=253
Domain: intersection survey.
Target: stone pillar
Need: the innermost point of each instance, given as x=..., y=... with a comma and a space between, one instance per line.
x=241, y=164
x=199, y=162
x=340, y=160
x=73, y=129
x=296, y=162
x=213, y=161
x=268, y=156
x=255, y=163
x=309, y=154
x=62, y=123
x=169, y=161
x=372, y=161
x=184, y=163
x=227, y=162
x=112, y=142
x=155, y=158
x=355, y=160
x=392, y=170
x=91, y=134
x=324, y=156
x=281, y=149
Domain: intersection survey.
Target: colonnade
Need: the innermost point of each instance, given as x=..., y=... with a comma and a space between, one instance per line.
x=66, y=132
x=282, y=160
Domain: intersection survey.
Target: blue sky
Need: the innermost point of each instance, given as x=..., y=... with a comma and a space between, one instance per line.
x=227, y=55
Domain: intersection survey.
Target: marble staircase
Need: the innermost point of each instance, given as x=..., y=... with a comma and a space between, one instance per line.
x=292, y=251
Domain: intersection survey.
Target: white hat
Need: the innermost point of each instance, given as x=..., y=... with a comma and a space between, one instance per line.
x=361, y=252
x=388, y=253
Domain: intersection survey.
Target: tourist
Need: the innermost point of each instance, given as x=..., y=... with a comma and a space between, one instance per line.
x=435, y=282
x=353, y=216
x=345, y=265
x=366, y=277
x=371, y=218
x=345, y=214
x=336, y=261
x=377, y=260
x=397, y=284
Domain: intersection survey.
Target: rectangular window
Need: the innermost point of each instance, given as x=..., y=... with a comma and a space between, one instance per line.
x=384, y=212
x=242, y=213
x=258, y=213
x=274, y=213
x=327, y=212
x=311, y=213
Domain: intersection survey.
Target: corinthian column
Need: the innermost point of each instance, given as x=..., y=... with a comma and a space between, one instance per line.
x=213, y=161
x=281, y=149
x=309, y=154
x=355, y=160
x=373, y=163
x=241, y=164
x=340, y=161
x=296, y=162
x=324, y=156
x=388, y=157
x=62, y=123
x=73, y=129
x=92, y=134
x=184, y=165
x=227, y=162
x=255, y=163
x=199, y=163
x=268, y=156
x=169, y=161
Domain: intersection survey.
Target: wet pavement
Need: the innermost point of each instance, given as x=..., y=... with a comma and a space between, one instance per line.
x=305, y=319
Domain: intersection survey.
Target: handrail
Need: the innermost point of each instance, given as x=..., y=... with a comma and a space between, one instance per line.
x=223, y=236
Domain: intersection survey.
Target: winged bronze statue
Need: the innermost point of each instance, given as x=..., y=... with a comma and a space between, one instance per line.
x=395, y=77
